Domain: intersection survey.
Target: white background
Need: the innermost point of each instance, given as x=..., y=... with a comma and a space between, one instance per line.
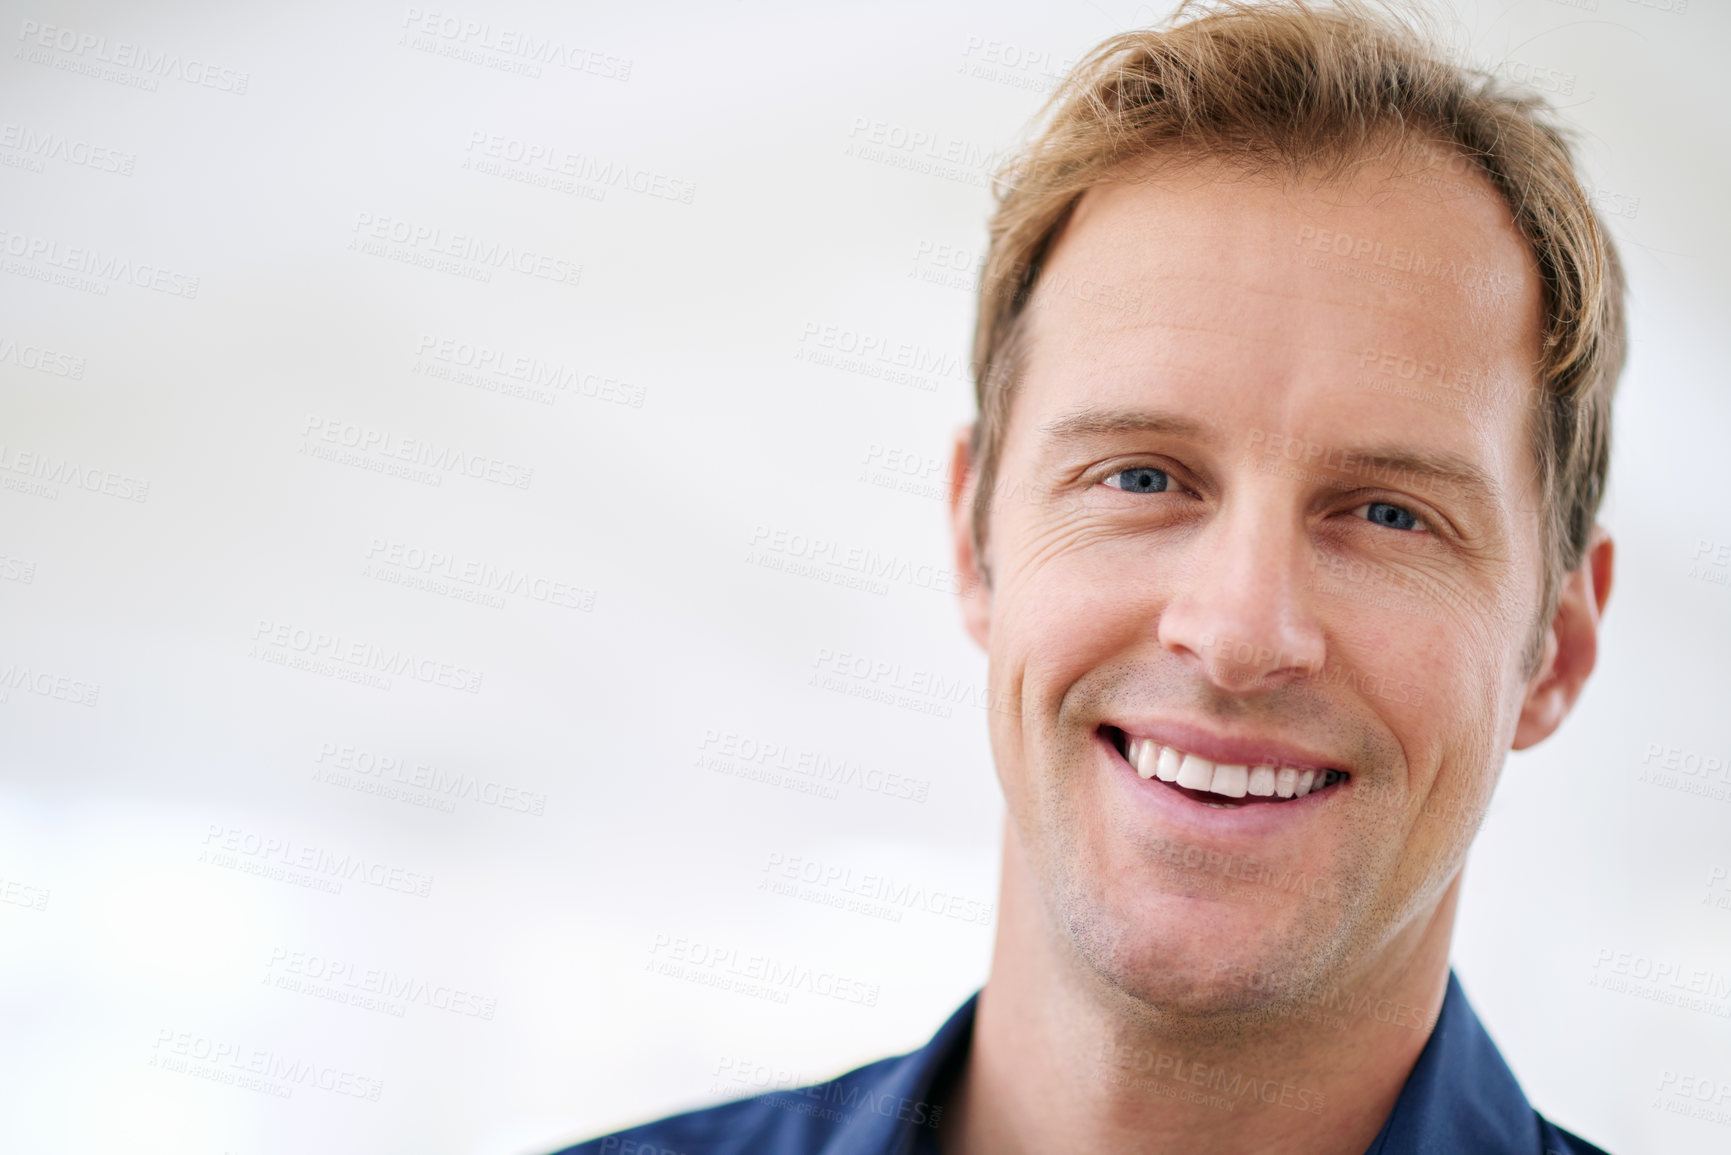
x=693, y=427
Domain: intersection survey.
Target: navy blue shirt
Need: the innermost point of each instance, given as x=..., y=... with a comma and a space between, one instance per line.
x=1461, y=1098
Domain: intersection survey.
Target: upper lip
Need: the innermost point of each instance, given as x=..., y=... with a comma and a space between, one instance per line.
x=1226, y=749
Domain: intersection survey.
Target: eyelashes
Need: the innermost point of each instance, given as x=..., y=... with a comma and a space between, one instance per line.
x=1153, y=479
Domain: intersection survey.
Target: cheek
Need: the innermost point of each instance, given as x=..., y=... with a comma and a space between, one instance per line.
x=1440, y=688
x=1061, y=612
x=1464, y=666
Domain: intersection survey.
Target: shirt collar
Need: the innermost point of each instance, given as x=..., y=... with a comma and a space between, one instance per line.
x=1460, y=1096
x=904, y=1087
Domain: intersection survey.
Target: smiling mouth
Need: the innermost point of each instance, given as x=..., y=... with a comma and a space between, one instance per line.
x=1220, y=785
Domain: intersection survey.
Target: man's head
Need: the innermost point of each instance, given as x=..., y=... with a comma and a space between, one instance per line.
x=1295, y=357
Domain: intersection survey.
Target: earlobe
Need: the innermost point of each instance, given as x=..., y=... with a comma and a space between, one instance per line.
x=1571, y=644
x=974, y=594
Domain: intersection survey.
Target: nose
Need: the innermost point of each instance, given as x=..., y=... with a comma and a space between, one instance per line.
x=1243, y=614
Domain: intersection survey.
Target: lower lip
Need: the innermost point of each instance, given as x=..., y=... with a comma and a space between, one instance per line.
x=1172, y=806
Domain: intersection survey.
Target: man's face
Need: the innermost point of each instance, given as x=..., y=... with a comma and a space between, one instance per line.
x=1266, y=498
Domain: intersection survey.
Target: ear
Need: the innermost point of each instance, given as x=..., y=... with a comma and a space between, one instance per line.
x=1571, y=645
x=975, y=595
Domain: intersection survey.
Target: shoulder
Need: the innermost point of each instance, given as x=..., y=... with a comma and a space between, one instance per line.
x=740, y=1127
x=797, y=1121
x=1556, y=1141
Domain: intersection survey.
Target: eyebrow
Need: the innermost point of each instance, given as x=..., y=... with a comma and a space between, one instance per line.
x=1101, y=422
x=1442, y=469
x=1377, y=463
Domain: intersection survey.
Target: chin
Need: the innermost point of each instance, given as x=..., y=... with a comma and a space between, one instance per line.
x=1186, y=955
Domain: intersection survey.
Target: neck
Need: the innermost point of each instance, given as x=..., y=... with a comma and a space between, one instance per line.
x=1061, y=1062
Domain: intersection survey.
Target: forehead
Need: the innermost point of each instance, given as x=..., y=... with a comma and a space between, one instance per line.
x=1399, y=297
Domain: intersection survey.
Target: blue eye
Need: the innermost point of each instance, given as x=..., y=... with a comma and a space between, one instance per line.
x=1392, y=516
x=1141, y=479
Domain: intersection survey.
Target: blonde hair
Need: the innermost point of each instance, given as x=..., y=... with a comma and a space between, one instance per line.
x=1288, y=85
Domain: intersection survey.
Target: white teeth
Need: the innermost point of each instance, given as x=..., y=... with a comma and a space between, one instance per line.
x=1146, y=757
x=1230, y=780
x=1196, y=773
x=1167, y=768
